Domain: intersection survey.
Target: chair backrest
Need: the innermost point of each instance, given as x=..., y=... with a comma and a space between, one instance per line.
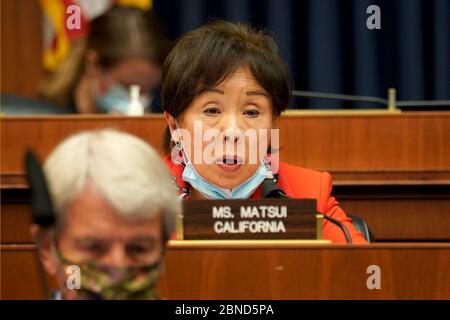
x=362, y=227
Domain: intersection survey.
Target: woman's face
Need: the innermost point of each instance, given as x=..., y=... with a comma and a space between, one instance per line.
x=235, y=110
x=97, y=82
x=136, y=71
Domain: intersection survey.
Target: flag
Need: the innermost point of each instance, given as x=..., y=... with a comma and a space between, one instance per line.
x=65, y=21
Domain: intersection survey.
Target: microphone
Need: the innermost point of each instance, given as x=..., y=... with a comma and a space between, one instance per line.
x=270, y=189
x=41, y=203
x=348, y=239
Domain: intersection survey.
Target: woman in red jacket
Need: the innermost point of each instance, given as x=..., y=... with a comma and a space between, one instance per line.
x=224, y=87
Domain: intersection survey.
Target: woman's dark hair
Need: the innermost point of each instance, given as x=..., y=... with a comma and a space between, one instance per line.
x=118, y=34
x=206, y=56
x=126, y=31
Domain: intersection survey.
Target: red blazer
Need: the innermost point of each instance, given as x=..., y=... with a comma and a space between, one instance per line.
x=302, y=183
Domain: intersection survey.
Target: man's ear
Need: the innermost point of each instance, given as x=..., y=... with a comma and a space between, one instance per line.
x=43, y=241
x=171, y=122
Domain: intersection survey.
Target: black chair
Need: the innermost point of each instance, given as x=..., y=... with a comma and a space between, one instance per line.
x=362, y=227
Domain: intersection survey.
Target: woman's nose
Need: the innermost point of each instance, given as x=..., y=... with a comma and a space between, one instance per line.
x=231, y=129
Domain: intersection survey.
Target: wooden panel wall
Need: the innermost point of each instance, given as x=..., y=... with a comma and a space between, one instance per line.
x=408, y=147
x=21, y=47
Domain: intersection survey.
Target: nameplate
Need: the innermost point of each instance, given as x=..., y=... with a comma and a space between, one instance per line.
x=249, y=219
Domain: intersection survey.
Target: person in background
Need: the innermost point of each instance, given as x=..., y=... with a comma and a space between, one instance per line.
x=115, y=208
x=125, y=46
x=227, y=78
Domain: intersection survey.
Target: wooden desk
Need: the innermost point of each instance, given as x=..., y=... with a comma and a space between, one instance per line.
x=408, y=271
x=406, y=147
x=391, y=169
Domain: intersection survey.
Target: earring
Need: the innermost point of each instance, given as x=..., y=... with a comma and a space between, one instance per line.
x=270, y=175
x=177, y=154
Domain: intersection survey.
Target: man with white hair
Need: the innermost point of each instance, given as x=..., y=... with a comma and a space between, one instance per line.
x=115, y=207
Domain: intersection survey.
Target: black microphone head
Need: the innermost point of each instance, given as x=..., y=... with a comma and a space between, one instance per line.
x=41, y=203
x=270, y=189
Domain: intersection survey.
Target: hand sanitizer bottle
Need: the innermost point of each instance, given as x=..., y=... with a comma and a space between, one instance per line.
x=135, y=107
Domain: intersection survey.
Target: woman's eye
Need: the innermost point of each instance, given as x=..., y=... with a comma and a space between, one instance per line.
x=251, y=113
x=211, y=111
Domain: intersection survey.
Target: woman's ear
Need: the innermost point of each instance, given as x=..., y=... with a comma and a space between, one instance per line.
x=42, y=239
x=171, y=122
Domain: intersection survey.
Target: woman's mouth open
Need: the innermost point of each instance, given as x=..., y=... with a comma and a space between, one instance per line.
x=229, y=163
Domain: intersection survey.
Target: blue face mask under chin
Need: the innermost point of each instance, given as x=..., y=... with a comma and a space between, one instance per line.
x=211, y=191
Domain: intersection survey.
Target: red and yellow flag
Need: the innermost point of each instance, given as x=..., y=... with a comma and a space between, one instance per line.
x=60, y=31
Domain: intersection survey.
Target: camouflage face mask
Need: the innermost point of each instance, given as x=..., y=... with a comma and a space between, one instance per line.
x=99, y=282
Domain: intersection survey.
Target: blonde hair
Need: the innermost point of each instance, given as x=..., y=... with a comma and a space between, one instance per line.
x=59, y=86
x=127, y=172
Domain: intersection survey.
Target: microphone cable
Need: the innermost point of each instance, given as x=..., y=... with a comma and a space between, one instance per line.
x=271, y=190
